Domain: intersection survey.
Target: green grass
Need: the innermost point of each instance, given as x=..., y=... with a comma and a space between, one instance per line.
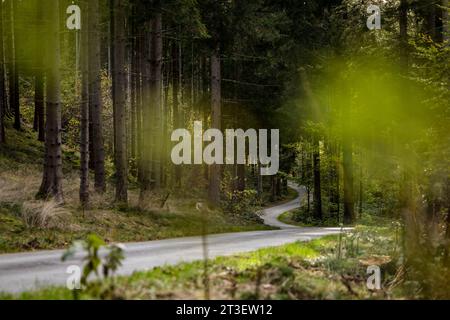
x=111, y=225
x=332, y=267
x=23, y=148
x=287, y=218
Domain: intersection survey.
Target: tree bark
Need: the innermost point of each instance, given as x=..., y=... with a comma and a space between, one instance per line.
x=39, y=102
x=403, y=20
x=260, y=180
x=119, y=101
x=2, y=81
x=95, y=98
x=155, y=96
x=241, y=177
x=39, y=97
x=134, y=83
x=52, y=177
x=216, y=95
x=146, y=136
x=139, y=103
x=360, y=193
x=430, y=20
x=84, y=110
x=175, y=99
x=445, y=21
x=13, y=68
x=317, y=183
x=349, y=205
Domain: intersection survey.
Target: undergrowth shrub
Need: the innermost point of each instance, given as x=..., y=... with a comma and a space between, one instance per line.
x=43, y=214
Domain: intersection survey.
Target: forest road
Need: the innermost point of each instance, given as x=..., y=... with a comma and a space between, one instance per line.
x=28, y=271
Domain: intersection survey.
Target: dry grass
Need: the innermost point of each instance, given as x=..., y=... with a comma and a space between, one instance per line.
x=44, y=215
x=18, y=186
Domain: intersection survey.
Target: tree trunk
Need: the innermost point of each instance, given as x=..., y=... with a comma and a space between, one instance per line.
x=403, y=20
x=445, y=21
x=84, y=110
x=349, y=206
x=52, y=178
x=146, y=137
x=308, y=202
x=39, y=102
x=216, y=95
x=155, y=96
x=134, y=84
x=430, y=21
x=139, y=103
x=119, y=101
x=2, y=81
x=165, y=116
x=240, y=177
x=95, y=98
x=317, y=177
x=360, y=206
x=273, y=188
x=447, y=207
x=13, y=67
x=260, y=180
x=175, y=96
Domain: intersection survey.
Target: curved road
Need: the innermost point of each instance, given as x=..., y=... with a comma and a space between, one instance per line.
x=28, y=271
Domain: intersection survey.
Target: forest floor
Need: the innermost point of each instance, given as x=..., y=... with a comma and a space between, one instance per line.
x=28, y=224
x=333, y=267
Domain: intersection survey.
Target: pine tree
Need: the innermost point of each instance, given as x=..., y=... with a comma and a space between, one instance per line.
x=2, y=81
x=119, y=101
x=95, y=98
x=51, y=185
x=216, y=96
x=84, y=109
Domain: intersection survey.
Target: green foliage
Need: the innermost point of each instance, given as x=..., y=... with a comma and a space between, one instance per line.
x=242, y=204
x=239, y=205
x=93, y=261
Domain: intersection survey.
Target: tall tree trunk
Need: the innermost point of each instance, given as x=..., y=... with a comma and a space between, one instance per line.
x=139, y=103
x=216, y=95
x=360, y=193
x=119, y=101
x=175, y=99
x=8, y=55
x=95, y=98
x=39, y=97
x=403, y=20
x=2, y=80
x=52, y=177
x=445, y=21
x=155, y=96
x=259, y=180
x=349, y=205
x=146, y=136
x=206, y=110
x=84, y=110
x=241, y=177
x=447, y=207
x=165, y=116
x=39, y=102
x=14, y=68
x=430, y=20
x=134, y=83
x=317, y=183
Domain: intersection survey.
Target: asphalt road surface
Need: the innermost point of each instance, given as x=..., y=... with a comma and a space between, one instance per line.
x=29, y=271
